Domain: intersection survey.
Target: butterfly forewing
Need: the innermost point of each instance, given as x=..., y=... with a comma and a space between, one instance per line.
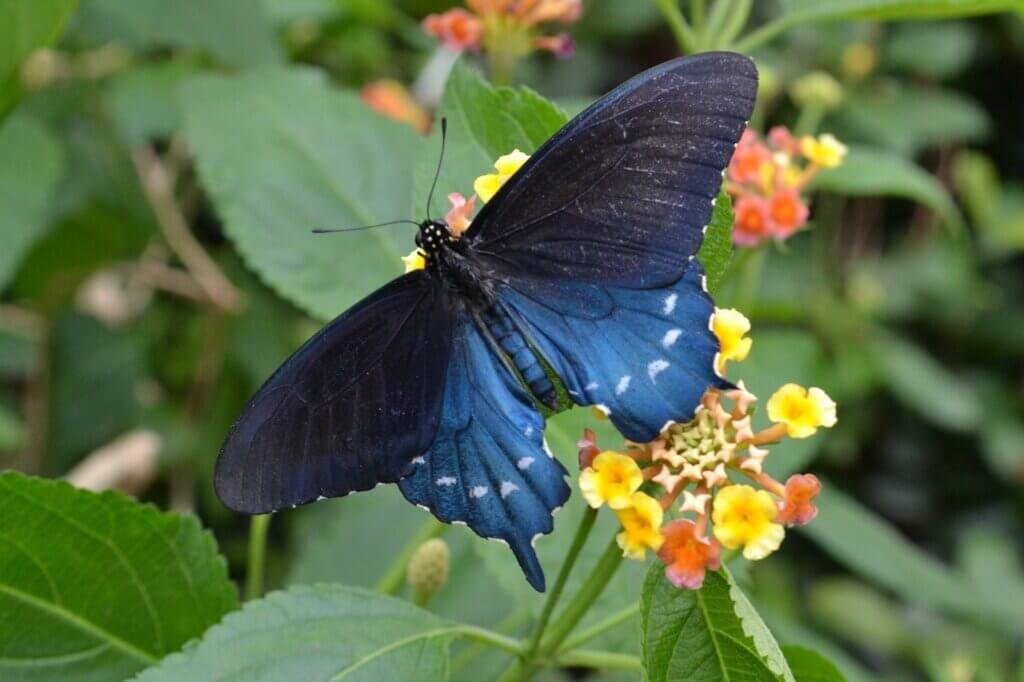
x=621, y=195
x=349, y=409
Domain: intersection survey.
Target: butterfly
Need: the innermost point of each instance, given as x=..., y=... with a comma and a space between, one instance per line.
x=583, y=264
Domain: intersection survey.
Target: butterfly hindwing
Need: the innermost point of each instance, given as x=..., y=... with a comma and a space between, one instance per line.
x=350, y=409
x=488, y=466
x=645, y=355
x=621, y=195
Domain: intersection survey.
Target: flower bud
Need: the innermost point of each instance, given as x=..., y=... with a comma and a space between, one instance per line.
x=428, y=569
x=817, y=89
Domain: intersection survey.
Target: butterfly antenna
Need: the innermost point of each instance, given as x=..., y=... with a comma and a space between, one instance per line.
x=437, y=172
x=365, y=227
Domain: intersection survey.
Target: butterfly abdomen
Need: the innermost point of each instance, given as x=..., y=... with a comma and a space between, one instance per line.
x=522, y=356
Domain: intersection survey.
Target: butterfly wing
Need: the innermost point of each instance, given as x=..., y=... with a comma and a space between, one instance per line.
x=622, y=194
x=646, y=356
x=349, y=409
x=488, y=466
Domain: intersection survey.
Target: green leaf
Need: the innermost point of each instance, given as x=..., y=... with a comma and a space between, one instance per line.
x=322, y=632
x=484, y=122
x=24, y=27
x=32, y=166
x=844, y=528
x=838, y=10
x=908, y=119
x=934, y=50
x=96, y=587
x=143, y=100
x=236, y=33
x=281, y=153
x=810, y=666
x=705, y=635
x=873, y=172
x=924, y=385
x=716, y=251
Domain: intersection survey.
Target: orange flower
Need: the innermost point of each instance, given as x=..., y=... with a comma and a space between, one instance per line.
x=752, y=221
x=749, y=158
x=392, y=99
x=783, y=140
x=461, y=213
x=797, y=507
x=687, y=555
x=788, y=212
x=457, y=29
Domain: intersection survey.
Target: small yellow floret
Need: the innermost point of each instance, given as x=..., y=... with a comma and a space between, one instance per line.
x=731, y=326
x=641, y=526
x=802, y=411
x=486, y=186
x=611, y=479
x=744, y=517
x=825, y=151
x=416, y=260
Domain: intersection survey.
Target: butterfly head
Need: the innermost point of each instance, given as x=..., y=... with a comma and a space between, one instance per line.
x=433, y=236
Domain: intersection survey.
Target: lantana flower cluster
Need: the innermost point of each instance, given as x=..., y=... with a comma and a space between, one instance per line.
x=507, y=27
x=701, y=486
x=768, y=179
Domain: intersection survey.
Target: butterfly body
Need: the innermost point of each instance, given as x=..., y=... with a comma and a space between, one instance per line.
x=582, y=265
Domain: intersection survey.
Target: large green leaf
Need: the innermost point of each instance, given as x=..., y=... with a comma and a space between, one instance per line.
x=24, y=27
x=32, y=163
x=280, y=154
x=838, y=10
x=705, y=635
x=873, y=172
x=484, y=123
x=867, y=545
x=236, y=33
x=96, y=587
x=322, y=632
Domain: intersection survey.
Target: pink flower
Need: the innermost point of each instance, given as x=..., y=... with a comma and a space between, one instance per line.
x=749, y=158
x=461, y=213
x=561, y=45
x=797, y=508
x=787, y=211
x=687, y=555
x=752, y=222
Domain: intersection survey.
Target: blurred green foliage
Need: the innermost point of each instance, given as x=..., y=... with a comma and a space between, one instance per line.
x=162, y=165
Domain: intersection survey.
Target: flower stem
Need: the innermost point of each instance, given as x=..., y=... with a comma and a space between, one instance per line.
x=683, y=32
x=393, y=579
x=736, y=21
x=587, y=595
x=717, y=18
x=258, y=526
x=766, y=32
x=582, y=532
x=599, y=628
x=491, y=638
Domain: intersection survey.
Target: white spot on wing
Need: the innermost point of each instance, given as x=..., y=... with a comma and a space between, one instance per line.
x=670, y=338
x=670, y=303
x=524, y=463
x=478, y=491
x=623, y=384
x=507, y=488
x=656, y=367
x=445, y=480
x=591, y=386
x=419, y=460
x=528, y=432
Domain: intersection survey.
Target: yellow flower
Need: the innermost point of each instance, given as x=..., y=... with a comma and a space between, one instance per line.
x=825, y=151
x=641, y=526
x=731, y=326
x=802, y=411
x=744, y=517
x=611, y=479
x=416, y=260
x=486, y=186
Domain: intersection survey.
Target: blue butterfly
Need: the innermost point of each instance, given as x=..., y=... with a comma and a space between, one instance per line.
x=583, y=261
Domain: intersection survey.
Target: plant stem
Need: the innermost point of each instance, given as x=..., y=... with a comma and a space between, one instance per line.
x=591, y=589
x=717, y=18
x=608, y=660
x=697, y=14
x=768, y=31
x=599, y=628
x=736, y=21
x=491, y=638
x=683, y=32
x=393, y=579
x=258, y=527
x=582, y=531
x=808, y=120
